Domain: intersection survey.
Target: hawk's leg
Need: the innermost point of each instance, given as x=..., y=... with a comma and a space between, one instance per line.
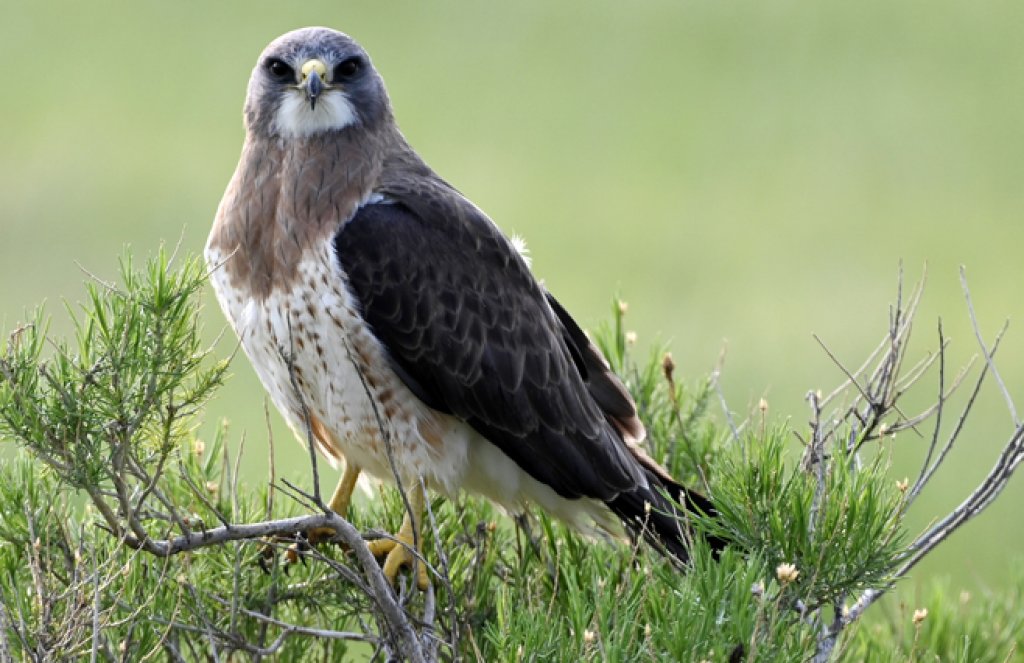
x=342, y=497
x=340, y=502
x=403, y=549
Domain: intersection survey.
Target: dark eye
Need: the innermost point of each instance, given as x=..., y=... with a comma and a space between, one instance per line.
x=347, y=69
x=280, y=71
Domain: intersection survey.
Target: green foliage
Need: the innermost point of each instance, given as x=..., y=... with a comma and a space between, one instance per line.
x=851, y=543
x=680, y=434
x=109, y=463
x=131, y=382
x=958, y=627
x=598, y=603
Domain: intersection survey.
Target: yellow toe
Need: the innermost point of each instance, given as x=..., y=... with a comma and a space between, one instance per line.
x=398, y=555
x=318, y=535
x=381, y=547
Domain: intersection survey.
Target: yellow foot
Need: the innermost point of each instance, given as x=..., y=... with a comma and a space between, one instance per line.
x=401, y=551
x=399, y=554
x=318, y=535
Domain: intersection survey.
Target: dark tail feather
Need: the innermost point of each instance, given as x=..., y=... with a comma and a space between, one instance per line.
x=662, y=524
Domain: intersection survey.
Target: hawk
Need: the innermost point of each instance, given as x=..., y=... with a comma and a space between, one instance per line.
x=390, y=315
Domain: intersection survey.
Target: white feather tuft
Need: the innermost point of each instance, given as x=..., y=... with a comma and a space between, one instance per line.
x=295, y=119
x=519, y=244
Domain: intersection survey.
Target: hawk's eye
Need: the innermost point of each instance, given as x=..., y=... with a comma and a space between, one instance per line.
x=280, y=70
x=347, y=69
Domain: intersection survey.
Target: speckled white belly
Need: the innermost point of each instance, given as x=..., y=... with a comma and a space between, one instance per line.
x=351, y=393
x=341, y=374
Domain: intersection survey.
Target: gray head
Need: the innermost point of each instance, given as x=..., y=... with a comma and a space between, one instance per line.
x=313, y=81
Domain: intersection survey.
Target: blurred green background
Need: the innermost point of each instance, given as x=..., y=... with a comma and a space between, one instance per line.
x=741, y=172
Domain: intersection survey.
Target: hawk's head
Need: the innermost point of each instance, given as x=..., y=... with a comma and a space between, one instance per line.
x=311, y=81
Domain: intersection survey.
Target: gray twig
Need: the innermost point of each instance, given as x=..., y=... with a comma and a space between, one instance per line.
x=880, y=397
x=984, y=351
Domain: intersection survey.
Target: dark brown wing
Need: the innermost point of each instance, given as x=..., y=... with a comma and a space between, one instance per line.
x=604, y=386
x=472, y=333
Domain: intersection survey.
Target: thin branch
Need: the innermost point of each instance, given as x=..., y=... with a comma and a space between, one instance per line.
x=715, y=381
x=307, y=422
x=958, y=427
x=296, y=629
x=845, y=385
x=385, y=433
x=984, y=494
x=981, y=343
x=850, y=379
x=394, y=615
x=270, y=454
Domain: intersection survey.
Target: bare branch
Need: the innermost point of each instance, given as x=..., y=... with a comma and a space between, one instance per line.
x=289, y=360
x=981, y=343
x=984, y=494
x=715, y=380
x=296, y=629
x=381, y=591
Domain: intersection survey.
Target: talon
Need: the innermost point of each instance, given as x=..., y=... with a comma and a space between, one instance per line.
x=400, y=550
x=398, y=555
x=320, y=535
x=266, y=558
x=381, y=547
x=296, y=553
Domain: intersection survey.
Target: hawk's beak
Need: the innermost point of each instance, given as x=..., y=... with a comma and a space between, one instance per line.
x=313, y=74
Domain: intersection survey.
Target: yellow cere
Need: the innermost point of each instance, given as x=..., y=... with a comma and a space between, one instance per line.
x=314, y=65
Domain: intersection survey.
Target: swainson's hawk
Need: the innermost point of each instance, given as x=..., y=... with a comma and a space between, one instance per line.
x=336, y=243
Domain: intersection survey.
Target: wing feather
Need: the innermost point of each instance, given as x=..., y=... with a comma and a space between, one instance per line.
x=471, y=333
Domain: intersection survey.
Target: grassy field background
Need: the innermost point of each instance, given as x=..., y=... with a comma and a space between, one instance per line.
x=744, y=172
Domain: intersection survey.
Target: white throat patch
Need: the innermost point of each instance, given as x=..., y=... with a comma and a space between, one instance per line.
x=295, y=119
